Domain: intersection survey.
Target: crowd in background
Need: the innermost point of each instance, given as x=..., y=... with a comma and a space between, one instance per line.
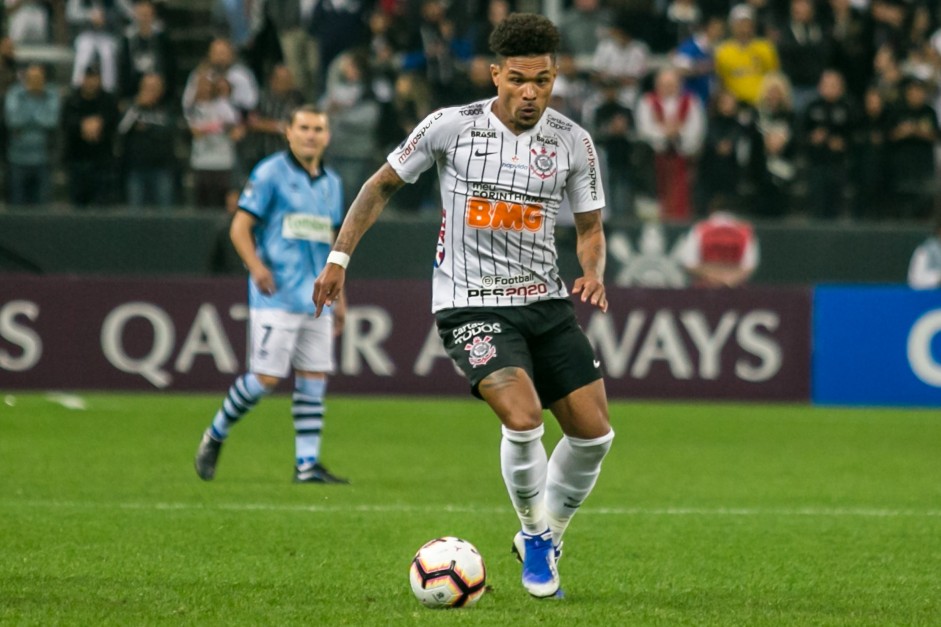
x=772, y=108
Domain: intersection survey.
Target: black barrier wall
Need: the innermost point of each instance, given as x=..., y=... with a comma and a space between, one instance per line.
x=196, y=244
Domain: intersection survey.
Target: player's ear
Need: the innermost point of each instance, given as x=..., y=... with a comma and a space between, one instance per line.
x=495, y=73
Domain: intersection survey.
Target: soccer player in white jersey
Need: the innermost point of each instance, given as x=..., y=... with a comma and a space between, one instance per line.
x=501, y=308
x=283, y=231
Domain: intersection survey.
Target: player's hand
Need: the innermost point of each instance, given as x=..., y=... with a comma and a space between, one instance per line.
x=592, y=291
x=264, y=280
x=329, y=286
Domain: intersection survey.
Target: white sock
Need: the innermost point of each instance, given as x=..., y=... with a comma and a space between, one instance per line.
x=523, y=461
x=573, y=470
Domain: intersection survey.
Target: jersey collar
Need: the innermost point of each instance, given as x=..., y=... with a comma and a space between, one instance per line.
x=300, y=166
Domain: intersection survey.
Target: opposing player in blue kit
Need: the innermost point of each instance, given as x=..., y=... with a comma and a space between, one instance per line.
x=283, y=232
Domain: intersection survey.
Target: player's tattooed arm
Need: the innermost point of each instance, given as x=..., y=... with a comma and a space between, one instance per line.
x=368, y=204
x=590, y=247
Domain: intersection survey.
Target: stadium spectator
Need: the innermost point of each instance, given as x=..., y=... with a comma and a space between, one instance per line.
x=621, y=57
x=776, y=122
x=720, y=251
x=743, y=59
x=853, y=51
x=872, y=180
x=146, y=49
x=540, y=357
x=411, y=103
x=340, y=25
x=148, y=146
x=888, y=75
x=292, y=20
x=583, y=26
x=240, y=21
x=612, y=125
x=913, y=136
x=437, y=49
x=479, y=35
x=265, y=125
x=573, y=94
x=804, y=49
x=729, y=149
x=283, y=232
x=924, y=269
x=96, y=24
x=475, y=82
x=8, y=78
x=28, y=21
x=216, y=128
x=354, y=115
x=681, y=19
x=672, y=122
x=90, y=119
x=221, y=63
x=31, y=110
x=695, y=58
x=888, y=22
x=245, y=24
x=827, y=132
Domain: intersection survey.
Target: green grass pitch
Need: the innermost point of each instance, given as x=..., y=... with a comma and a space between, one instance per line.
x=705, y=514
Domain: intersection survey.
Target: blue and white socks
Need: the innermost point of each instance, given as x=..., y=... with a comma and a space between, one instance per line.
x=242, y=396
x=307, y=410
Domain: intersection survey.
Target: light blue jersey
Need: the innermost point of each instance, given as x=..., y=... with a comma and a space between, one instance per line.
x=297, y=216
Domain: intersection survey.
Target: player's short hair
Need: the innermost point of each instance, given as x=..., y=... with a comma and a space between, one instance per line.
x=306, y=108
x=524, y=35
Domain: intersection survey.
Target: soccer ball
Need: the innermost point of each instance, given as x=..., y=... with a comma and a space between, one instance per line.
x=448, y=572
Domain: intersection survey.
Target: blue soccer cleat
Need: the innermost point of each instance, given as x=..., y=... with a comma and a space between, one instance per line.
x=540, y=576
x=519, y=548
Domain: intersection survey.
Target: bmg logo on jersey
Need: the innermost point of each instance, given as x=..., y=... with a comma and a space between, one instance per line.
x=501, y=215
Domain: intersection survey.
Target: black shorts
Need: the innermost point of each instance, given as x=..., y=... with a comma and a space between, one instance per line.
x=543, y=339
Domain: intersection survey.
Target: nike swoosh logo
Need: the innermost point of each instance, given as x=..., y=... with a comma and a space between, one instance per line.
x=596, y=363
x=477, y=153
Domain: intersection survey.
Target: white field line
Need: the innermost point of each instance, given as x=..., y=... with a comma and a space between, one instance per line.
x=825, y=512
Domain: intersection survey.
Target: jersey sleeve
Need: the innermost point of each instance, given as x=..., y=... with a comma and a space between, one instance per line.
x=418, y=152
x=583, y=187
x=257, y=193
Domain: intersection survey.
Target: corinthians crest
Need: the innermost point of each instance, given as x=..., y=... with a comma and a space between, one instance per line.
x=542, y=163
x=481, y=350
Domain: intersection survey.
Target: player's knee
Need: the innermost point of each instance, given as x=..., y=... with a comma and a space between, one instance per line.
x=521, y=420
x=269, y=382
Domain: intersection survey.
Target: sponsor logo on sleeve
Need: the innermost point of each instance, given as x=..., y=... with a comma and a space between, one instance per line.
x=407, y=147
x=592, y=168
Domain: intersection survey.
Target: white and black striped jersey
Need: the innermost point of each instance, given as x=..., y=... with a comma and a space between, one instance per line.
x=500, y=195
